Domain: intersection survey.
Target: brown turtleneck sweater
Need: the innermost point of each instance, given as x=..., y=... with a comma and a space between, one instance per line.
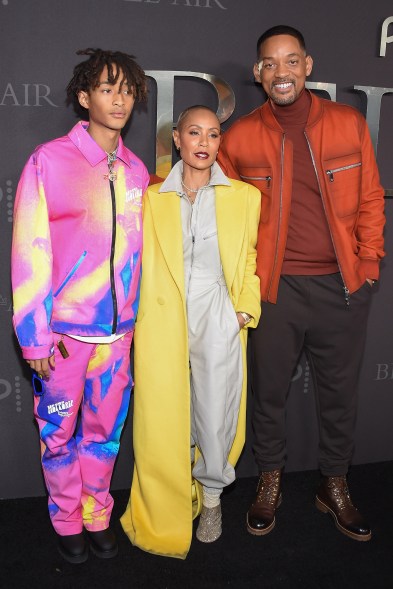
x=309, y=247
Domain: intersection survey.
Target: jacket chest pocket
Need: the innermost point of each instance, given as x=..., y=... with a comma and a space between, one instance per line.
x=261, y=178
x=344, y=183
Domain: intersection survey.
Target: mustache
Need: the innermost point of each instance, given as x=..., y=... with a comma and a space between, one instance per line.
x=285, y=81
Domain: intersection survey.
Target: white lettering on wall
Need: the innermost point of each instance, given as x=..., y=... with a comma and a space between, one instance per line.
x=384, y=36
x=26, y=95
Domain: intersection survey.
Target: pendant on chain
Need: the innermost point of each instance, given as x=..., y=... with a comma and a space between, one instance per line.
x=111, y=176
x=111, y=158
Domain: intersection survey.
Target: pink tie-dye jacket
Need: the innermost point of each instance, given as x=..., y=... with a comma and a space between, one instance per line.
x=76, y=250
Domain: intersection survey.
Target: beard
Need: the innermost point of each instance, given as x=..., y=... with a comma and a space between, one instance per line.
x=283, y=100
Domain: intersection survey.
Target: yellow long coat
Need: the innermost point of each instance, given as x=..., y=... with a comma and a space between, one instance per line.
x=164, y=498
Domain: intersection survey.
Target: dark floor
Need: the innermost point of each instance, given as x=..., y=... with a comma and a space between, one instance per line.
x=303, y=551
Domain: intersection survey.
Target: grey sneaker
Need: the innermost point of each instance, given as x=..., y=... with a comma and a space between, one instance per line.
x=209, y=527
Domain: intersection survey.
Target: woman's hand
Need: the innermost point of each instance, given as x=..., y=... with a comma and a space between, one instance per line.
x=241, y=320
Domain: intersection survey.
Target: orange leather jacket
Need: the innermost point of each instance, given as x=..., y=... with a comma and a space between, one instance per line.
x=255, y=150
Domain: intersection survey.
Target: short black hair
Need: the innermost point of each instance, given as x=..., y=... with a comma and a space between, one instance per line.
x=281, y=30
x=187, y=111
x=86, y=75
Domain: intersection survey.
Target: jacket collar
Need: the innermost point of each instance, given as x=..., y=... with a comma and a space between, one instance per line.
x=90, y=149
x=173, y=182
x=268, y=118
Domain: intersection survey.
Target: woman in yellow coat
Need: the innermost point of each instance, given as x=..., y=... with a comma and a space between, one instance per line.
x=199, y=294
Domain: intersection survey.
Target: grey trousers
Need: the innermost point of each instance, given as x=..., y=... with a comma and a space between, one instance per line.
x=216, y=383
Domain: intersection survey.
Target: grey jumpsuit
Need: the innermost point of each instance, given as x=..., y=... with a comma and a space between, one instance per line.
x=213, y=333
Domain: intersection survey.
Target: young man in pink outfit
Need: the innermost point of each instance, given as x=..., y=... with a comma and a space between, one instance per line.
x=76, y=258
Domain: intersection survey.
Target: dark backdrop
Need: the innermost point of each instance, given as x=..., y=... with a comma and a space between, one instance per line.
x=38, y=42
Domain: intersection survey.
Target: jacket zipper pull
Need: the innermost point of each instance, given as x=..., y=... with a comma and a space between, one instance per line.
x=62, y=349
x=346, y=295
x=330, y=174
x=269, y=179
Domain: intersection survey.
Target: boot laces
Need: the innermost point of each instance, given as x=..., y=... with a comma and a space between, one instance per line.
x=340, y=492
x=268, y=487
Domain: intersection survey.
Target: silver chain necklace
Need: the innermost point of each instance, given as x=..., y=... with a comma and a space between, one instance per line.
x=192, y=189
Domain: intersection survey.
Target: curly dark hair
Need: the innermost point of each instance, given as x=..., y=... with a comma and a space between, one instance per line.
x=87, y=73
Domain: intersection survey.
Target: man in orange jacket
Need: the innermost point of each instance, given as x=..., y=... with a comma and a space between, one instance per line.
x=320, y=242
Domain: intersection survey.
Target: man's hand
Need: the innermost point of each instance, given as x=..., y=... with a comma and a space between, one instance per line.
x=42, y=366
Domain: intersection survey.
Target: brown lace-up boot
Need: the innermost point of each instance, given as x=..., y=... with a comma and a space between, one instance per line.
x=333, y=497
x=260, y=516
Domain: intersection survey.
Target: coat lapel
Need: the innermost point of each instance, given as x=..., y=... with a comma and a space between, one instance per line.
x=165, y=208
x=231, y=212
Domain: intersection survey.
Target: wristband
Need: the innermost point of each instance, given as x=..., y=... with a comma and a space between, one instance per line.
x=247, y=318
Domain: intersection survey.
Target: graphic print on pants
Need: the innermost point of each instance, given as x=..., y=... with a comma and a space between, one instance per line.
x=78, y=465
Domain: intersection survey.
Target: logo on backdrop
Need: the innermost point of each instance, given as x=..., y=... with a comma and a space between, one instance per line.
x=298, y=374
x=384, y=36
x=384, y=372
x=6, y=195
x=7, y=390
x=191, y=3
x=25, y=95
x=5, y=303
